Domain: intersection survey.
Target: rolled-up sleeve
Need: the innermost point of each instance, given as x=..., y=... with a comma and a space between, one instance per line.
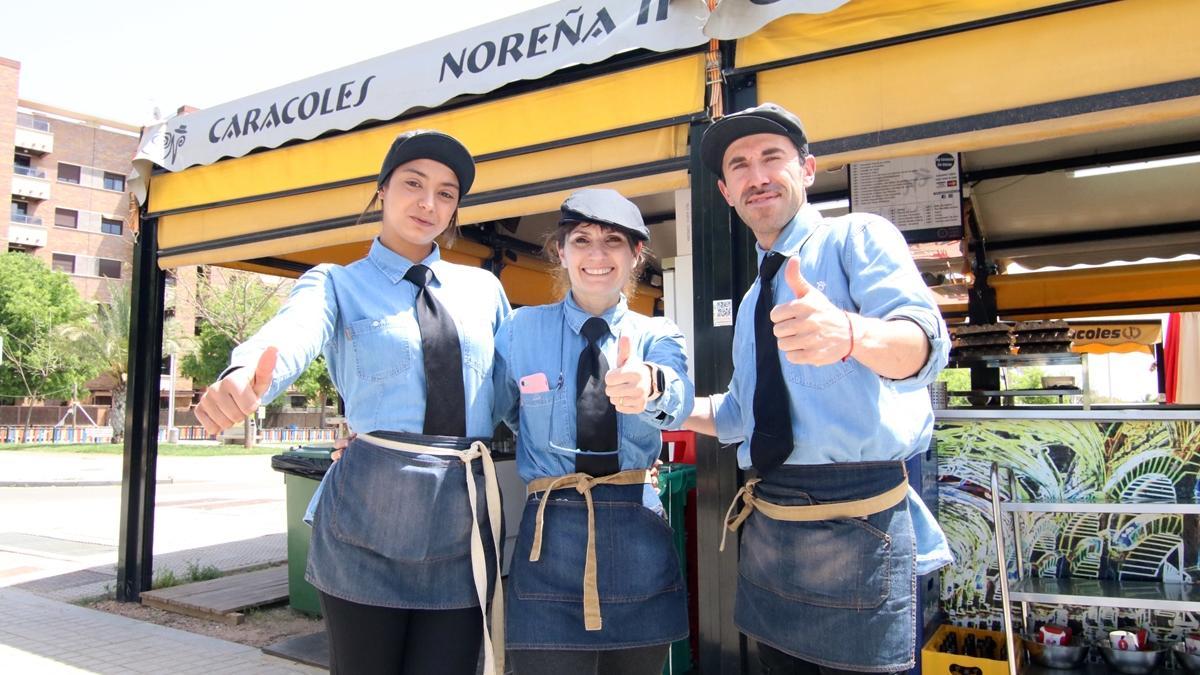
x=668, y=350
x=885, y=284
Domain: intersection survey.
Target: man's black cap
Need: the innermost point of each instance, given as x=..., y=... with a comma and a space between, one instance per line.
x=427, y=144
x=604, y=207
x=766, y=118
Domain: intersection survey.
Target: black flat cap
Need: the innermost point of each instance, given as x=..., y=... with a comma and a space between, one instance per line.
x=427, y=144
x=766, y=118
x=604, y=207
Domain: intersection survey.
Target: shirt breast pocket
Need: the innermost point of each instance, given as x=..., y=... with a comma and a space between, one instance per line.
x=382, y=346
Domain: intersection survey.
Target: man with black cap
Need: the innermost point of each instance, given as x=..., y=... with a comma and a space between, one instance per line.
x=834, y=344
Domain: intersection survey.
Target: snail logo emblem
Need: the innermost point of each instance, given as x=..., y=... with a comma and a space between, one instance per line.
x=173, y=140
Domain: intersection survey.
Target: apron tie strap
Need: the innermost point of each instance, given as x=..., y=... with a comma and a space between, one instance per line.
x=493, y=639
x=855, y=508
x=583, y=483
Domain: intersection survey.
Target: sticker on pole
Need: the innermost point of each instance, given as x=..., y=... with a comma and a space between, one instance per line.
x=722, y=312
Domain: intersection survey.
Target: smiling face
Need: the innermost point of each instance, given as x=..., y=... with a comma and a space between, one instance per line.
x=419, y=200
x=599, y=261
x=764, y=180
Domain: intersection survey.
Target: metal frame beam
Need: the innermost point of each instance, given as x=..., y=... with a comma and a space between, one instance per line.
x=135, y=551
x=723, y=247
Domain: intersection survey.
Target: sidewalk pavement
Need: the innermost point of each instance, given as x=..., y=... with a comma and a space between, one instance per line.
x=58, y=545
x=38, y=635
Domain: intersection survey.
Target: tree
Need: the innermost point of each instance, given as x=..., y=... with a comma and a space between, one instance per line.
x=230, y=307
x=41, y=315
x=316, y=385
x=105, y=339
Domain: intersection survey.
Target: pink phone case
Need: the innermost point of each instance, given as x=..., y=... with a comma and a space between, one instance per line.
x=534, y=384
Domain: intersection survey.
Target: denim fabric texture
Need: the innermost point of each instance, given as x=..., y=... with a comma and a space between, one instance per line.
x=545, y=340
x=362, y=318
x=838, y=593
x=393, y=529
x=643, y=598
x=844, y=412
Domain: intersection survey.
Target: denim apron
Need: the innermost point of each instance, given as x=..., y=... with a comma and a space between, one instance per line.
x=838, y=592
x=393, y=528
x=640, y=593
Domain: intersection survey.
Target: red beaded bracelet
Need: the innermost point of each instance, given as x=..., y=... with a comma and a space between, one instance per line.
x=850, y=325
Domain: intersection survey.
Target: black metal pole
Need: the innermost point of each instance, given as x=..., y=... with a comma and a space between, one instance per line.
x=136, y=548
x=724, y=260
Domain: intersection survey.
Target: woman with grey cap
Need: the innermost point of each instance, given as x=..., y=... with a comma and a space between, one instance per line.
x=588, y=385
x=407, y=524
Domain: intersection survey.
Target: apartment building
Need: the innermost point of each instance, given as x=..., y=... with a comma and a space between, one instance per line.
x=68, y=202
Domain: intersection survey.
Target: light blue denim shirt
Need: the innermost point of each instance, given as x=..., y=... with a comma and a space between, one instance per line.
x=845, y=412
x=545, y=340
x=362, y=317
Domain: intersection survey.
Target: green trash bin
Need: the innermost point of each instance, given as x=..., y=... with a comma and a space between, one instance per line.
x=302, y=469
x=674, y=483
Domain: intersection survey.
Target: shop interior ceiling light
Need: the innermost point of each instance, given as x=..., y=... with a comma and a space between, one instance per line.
x=1135, y=166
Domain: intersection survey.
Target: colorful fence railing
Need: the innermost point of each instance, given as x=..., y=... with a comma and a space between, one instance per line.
x=51, y=434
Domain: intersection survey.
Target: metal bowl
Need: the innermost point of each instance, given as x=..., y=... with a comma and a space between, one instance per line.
x=1133, y=663
x=1189, y=662
x=1062, y=657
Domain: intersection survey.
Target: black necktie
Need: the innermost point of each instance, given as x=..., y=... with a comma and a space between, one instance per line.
x=772, y=440
x=445, y=398
x=595, y=416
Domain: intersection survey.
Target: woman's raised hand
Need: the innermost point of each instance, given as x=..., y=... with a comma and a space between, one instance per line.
x=230, y=399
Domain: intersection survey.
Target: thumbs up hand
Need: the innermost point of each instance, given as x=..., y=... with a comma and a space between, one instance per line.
x=237, y=395
x=810, y=330
x=628, y=384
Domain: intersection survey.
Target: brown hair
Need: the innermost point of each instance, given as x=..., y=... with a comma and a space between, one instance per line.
x=557, y=238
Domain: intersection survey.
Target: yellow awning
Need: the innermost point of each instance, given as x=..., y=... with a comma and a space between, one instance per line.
x=1066, y=73
x=1117, y=290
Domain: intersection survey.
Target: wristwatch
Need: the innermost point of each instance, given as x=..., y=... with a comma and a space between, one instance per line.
x=658, y=381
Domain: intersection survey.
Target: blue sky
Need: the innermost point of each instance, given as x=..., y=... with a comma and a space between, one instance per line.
x=122, y=60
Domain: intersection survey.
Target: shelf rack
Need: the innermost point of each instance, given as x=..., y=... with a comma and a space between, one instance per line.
x=1176, y=597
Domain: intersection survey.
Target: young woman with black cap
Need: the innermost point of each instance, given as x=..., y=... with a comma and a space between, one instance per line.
x=594, y=585
x=407, y=527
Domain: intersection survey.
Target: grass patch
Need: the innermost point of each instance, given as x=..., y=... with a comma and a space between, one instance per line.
x=164, y=579
x=196, y=572
x=164, y=449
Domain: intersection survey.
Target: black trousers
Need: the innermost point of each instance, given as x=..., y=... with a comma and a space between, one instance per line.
x=774, y=662
x=634, y=661
x=366, y=640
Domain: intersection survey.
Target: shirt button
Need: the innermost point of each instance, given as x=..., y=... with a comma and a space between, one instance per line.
x=374, y=324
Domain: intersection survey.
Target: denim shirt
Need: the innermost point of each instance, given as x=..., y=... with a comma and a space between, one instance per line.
x=546, y=340
x=845, y=412
x=362, y=318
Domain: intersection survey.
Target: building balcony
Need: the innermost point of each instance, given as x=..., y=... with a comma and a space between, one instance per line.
x=30, y=186
x=33, y=135
x=33, y=236
x=22, y=219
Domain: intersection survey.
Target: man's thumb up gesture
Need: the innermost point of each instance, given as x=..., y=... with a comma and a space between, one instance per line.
x=627, y=384
x=230, y=399
x=811, y=330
